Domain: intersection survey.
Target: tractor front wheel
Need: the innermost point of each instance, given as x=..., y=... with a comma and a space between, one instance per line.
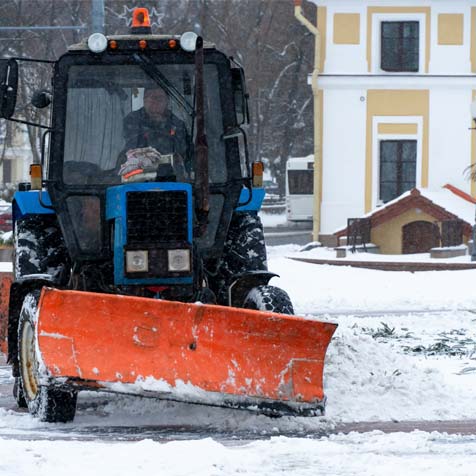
x=269, y=298
x=46, y=402
x=18, y=393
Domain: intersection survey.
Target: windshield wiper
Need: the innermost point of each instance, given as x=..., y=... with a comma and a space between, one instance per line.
x=149, y=67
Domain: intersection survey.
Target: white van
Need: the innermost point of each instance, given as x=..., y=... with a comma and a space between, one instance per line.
x=300, y=188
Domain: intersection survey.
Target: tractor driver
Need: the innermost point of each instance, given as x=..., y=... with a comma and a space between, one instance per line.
x=155, y=126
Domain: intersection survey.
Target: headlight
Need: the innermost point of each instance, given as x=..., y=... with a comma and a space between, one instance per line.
x=137, y=261
x=178, y=260
x=97, y=42
x=188, y=41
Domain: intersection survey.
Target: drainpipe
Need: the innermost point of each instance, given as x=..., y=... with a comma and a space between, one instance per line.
x=317, y=116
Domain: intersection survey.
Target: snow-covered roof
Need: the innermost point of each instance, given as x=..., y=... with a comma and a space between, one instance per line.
x=300, y=160
x=452, y=203
x=449, y=198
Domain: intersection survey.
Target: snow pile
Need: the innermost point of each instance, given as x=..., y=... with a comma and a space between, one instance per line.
x=367, y=380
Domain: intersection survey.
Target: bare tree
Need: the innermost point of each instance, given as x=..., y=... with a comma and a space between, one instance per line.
x=260, y=34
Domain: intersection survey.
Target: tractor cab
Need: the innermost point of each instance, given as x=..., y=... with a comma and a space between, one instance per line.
x=128, y=116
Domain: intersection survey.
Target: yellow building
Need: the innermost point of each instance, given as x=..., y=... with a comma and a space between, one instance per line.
x=396, y=82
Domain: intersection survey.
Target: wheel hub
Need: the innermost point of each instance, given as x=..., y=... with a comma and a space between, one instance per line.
x=29, y=362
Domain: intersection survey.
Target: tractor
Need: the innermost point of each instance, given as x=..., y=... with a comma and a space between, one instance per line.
x=139, y=257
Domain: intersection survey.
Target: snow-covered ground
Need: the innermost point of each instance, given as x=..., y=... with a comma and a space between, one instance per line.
x=355, y=454
x=320, y=288
x=405, y=349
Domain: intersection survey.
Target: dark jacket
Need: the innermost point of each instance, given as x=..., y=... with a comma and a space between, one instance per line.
x=168, y=136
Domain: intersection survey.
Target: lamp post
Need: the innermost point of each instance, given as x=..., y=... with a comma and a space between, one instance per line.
x=317, y=115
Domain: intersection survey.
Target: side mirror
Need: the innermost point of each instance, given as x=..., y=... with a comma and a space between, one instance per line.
x=241, y=96
x=8, y=87
x=41, y=99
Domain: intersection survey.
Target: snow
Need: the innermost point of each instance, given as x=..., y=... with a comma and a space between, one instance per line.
x=7, y=235
x=324, y=253
x=386, y=385
x=6, y=267
x=452, y=203
x=371, y=454
x=272, y=219
x=323, y=288
x=405, y=349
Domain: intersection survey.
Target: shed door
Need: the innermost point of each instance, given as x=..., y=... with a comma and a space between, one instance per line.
x=419, y=237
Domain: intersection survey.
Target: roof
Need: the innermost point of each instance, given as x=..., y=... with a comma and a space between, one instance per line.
x=307, y=158
x=448, y=203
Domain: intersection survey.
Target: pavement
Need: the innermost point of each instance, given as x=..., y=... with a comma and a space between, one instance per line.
x=287, y=235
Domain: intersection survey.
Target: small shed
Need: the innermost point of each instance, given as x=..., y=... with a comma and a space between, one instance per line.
x=417, y=221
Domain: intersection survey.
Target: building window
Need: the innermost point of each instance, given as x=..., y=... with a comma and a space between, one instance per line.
x=397, y=167
x=400, y=44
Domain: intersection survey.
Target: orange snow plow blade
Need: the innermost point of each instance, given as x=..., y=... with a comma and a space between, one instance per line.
x=188, y=352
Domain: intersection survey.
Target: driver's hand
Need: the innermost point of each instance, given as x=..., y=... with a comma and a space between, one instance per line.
x=144, y=154
x=141, y=158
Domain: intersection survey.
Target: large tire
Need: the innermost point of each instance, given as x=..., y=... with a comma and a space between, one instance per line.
x=46, y=402
x=38, y=246
x=244, y=251
x=27, y=255
x=269, y=298
x=18, y=393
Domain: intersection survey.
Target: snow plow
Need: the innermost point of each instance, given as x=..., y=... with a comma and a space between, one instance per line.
x=139, y=257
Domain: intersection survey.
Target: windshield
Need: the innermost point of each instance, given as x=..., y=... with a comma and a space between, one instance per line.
x=119, y=121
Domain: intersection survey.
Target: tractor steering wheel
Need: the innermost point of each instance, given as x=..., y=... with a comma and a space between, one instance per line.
x=80, y=173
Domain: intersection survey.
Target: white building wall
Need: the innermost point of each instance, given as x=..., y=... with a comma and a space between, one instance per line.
x=344, y=157
x=345, y=58
x=444, y=59
x=451, y=59
x=450, y=139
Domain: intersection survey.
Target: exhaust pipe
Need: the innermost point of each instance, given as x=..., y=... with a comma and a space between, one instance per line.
x=201, y=144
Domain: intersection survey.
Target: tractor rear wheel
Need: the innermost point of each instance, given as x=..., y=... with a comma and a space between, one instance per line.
x=269, y=298
x=46, y=402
